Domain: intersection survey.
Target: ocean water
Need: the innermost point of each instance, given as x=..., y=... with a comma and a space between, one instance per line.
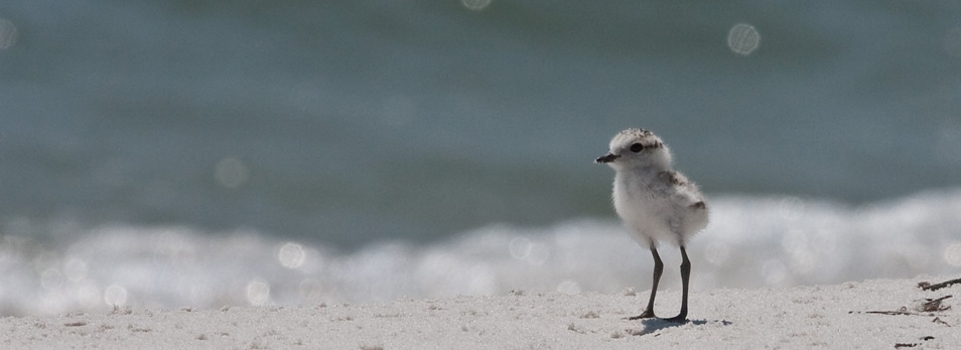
x=182, y=153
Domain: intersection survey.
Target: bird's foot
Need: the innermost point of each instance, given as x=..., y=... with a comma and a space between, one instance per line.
x=681, y=319
x=647, y=314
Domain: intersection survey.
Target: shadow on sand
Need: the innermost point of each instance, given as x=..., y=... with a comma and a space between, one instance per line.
x=655, y=324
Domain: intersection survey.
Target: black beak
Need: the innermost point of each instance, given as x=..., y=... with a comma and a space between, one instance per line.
x=607, y=158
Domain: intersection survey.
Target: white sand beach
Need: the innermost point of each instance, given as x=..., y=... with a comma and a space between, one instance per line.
x=835, y=317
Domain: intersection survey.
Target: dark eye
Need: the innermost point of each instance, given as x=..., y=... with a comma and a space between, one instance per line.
x=637, y=147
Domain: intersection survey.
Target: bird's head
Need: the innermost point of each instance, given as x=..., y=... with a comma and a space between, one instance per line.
x=636, y=148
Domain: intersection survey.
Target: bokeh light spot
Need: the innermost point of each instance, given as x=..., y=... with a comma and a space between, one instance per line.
x=115, y=295
x=743, y=39
x=230, y=172
x=476, y=5
x=952, y=254
x=524, y=249
x=519, y=248
x=8, y=34
x=258, y=292
x=291, y=255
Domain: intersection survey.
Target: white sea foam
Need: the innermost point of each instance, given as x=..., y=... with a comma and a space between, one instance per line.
x=751, y=242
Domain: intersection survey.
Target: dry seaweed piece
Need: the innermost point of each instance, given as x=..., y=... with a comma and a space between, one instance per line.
x=911, y=345
x=902, y=311
x=936, y=286
x=929, y=305
x=924, y=305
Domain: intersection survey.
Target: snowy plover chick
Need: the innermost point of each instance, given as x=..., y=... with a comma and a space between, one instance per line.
x=655, y=202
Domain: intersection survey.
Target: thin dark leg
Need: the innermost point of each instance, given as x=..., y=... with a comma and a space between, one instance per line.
x=685, y=279
x=658, y=269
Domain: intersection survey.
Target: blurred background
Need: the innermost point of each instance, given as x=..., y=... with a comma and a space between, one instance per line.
x=172, y=153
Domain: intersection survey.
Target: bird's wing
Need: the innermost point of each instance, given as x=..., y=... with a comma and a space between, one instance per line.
x=682, y=190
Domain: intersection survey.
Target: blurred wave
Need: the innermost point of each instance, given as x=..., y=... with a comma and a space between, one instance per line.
x=751, y=242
